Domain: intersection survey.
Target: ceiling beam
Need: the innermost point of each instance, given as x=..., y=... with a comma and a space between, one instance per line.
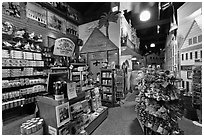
x=151, y=24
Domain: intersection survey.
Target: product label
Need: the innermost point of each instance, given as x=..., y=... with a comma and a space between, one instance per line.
x=52, y=130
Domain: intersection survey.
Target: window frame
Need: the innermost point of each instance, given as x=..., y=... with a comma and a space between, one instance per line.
x=200, y=36
x=195, y=40
x=186, y=56
x=191, y=55
x=190, y=41
x=196, y=54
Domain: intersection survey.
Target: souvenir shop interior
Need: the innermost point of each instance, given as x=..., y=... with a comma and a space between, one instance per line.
x=65, y=73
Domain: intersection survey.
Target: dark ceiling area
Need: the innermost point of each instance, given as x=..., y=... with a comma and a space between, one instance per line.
x=146, y=31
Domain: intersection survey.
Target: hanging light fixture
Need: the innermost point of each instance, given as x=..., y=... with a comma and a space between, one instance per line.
x=152, y=45
x=145, y=15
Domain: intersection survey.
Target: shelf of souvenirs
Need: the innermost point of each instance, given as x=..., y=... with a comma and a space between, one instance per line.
x=7, y=75
x=159, y=125
x=20, y=101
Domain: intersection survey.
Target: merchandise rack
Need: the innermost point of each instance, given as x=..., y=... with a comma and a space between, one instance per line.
x=107, y=83
x=14, y=104
x=150, y=120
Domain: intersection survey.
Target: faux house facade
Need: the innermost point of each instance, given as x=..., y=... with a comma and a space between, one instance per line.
x=191, y=53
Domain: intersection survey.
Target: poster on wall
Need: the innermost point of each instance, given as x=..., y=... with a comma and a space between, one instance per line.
x=11, y=9
x=36, y=13
x=64, y=47
x=55, y=22
x=71, y=90
x=62, y=114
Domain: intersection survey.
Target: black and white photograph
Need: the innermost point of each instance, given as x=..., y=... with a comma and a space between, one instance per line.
x=144, y=59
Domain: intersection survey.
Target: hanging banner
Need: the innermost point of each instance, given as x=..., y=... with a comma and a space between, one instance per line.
x=64, y=47
x=71, y=90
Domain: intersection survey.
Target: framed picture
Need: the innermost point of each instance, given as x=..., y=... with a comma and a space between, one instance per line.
x=62, y=114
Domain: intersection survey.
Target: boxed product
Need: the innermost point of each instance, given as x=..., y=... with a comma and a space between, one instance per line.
x=6, y=73
x=33, y=126
x=15, y=54
x=28, y=55
x=5, y=54
x=37, y=56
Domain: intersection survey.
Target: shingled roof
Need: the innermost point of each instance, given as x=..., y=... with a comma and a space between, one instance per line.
x=97, y=41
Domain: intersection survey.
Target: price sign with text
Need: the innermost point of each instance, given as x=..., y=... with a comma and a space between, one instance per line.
x=64, y=47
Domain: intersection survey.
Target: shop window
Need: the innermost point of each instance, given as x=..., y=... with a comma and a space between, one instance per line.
x=195, y=40
x=200, y=38
x=186, y=56
x=182, y=57
x=196, y=54
x=191, y=55
x=190, y=41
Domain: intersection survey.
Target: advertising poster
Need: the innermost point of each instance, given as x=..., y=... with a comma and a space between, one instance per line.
x=36, y=13
x=64, y=47
x=55, y=22
x=71, y=90
x=62, y=114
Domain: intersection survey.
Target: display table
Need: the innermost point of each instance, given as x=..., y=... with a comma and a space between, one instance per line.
x=97, y=121
x=47, y=109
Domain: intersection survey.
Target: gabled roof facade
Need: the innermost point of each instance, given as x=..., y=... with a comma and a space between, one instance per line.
x=97, y=41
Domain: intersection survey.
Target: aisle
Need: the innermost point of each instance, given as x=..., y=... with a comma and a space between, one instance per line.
x=121, y=120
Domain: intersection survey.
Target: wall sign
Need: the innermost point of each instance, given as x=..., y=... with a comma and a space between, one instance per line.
x=56, y=23
x=71, y=90
x=36, y=13
x=64, y=47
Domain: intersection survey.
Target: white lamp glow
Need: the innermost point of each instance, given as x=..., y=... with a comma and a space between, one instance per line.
x=152, y=45
x=145, y=15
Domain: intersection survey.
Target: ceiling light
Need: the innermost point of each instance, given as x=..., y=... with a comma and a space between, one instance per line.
x=152, y=45
x=145, y=15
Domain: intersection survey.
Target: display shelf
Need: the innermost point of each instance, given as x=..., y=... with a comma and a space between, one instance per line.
x=97, y=121
x=17, y=103
x=159, y=105
x=58, y=68
x=23, y=50
x=12, y=67
x=29, y=76
x=19, y=87
x=107, y=80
